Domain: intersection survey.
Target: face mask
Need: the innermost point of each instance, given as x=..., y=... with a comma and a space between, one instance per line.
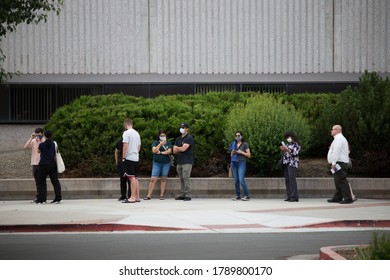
x=238, y=138
x=289, y=139
x=163, y=138
x=39, y=137
x=182, y=130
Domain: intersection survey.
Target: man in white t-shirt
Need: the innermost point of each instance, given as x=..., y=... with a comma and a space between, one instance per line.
x=131, y=147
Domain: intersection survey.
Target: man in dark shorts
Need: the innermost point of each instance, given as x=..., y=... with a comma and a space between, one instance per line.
x=130, y=162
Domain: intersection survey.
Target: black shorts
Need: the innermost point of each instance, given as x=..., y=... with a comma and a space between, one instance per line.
x=130, y=168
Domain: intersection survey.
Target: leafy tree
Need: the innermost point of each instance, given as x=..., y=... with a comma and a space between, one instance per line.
x=15, y=12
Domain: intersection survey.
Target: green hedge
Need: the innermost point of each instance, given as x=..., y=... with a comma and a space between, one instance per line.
x=263, y=122
x=88, y=128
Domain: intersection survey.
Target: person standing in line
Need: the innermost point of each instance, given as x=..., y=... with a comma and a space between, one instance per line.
x=290, y=165
x=47, y=167
x=161, y=149
x=124, y=181
x=183, y=147
x=338, y=158
x=239, y=152
x=32, y=143
x=131, y=148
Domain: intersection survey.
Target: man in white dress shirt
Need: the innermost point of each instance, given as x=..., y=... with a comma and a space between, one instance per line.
x=338, y=158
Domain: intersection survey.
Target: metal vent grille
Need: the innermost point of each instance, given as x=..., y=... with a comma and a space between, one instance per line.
x=215, y=88
x=31, y=103
x=264, y=88
x=38, y=103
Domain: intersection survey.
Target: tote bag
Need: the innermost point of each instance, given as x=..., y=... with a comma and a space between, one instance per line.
x=59, y=161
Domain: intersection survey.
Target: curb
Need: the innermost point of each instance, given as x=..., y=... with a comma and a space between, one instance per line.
x=82, y=228
x=330, y=252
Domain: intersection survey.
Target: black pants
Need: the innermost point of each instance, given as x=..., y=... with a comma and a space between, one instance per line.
x=341, y=182
x=124, y=182
x=51, y=171
x=290, y=178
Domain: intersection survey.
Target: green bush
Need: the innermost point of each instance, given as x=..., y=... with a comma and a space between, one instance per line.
x=88, y=128
x=263, y=122
x=364, y=114
x=378, y=249
x=315, y=107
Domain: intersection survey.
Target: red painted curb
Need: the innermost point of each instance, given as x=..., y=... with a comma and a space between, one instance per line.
x=83, y=228
x=347, y=223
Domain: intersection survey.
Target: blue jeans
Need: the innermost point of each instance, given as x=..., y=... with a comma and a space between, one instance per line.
x=160, y=169
x=239, y=170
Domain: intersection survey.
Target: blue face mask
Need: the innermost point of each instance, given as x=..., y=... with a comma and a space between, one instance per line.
x=39, y=137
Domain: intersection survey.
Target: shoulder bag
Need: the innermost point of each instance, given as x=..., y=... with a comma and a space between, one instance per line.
x=59, y=160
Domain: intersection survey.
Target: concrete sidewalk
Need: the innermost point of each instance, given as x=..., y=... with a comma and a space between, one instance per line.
x=199, y=215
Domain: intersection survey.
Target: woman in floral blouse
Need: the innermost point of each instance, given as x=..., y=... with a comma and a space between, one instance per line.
x=291, y=151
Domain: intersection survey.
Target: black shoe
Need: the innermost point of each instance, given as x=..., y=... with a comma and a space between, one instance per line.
x=287, y=199
x=334, y=200
x=346, y=201
x=147, y=198
x=55, y=201
x=39, y=202
x=128, y=201
x=180, y=198
x=293, y=200
x=122, y=198
x=187, y=198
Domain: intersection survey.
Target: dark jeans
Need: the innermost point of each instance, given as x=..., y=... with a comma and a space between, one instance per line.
x=290, y=177
x=51, y=171
x=341, y=182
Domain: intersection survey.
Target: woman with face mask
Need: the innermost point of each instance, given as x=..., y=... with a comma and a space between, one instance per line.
x=291, y=151
x=239, y=152
x=161, y=165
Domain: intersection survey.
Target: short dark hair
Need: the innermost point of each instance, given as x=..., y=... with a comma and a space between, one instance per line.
x=159, y=132
x=38, y=130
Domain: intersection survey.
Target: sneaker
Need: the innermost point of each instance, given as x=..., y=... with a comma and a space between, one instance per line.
x=236, y=198
x=187, y=198
x=40, y=202
x=55, y=201
x=180, y=198
x=245, y=198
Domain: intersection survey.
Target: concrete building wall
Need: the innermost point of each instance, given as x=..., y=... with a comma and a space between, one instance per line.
x=205, y=37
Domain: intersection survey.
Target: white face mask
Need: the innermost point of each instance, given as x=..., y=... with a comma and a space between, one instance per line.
x=289, y=139
x=163, y=138
x=182, y=130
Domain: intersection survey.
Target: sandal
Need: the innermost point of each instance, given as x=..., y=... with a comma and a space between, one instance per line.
x=147, y=198
x=162, y=197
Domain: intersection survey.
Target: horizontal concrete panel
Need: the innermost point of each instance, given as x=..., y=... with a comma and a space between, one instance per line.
x=200, y=187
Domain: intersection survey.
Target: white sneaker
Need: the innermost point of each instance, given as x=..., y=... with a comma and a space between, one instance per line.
x=245, y=198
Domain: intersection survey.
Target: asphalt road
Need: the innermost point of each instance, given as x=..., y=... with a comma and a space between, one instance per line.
x=172, y=246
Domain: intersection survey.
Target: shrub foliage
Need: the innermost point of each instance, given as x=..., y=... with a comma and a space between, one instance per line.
x=263, y=122
x=88, y=128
